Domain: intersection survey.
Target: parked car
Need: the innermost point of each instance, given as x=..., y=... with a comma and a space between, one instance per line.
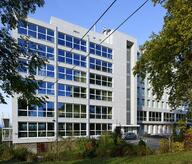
x=130, y=136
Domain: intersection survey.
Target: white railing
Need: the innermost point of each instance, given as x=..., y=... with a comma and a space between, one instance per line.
x=6, y=134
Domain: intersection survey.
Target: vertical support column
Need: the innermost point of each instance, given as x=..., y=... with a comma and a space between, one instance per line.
x=88, y=88
x=56, y=85
x=175, y=117
x=162, y=117
x=147, y=112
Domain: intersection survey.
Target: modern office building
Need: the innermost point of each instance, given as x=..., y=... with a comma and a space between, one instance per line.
x=155, y=117
x=90, y=86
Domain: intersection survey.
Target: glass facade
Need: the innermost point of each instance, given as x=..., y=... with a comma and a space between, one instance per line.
x=100, y=65
x=68, y=110
x=100, y=80
x=71, y=42
x=71, y=58
x=97, y=94
x=98, y=128
x=71, y=91
x=100, y=50
x=37, y=43
x=42, y=50
x=36, y=31
x=45, y=110
x=72, y=129
x=35, y=129
x=100, y=112
x=71, y=74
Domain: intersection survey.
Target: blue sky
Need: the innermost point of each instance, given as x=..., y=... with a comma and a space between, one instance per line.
x=84, y=13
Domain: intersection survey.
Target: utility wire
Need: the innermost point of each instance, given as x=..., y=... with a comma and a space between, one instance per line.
x=133, y=13
x=91, y=27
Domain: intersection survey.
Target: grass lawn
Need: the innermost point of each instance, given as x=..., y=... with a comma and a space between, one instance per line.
x=171, y=158
x=174, y=158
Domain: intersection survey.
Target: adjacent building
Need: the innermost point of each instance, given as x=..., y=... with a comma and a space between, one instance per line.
x=155, y=117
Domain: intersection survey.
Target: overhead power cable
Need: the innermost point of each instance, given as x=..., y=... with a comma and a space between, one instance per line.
x=133, y=13
x=92, y=26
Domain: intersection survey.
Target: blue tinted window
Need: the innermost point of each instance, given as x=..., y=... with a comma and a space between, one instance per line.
x=50, y=50
x=76, y=41
x=41, y=36
x=50, y=70
x=92, y=45
x=61, y=35
x=50, y=88
x=61, y=72
x=32, y=46
x=50, y=106
x=69, y=75
x=68, y=58
x=83, y=42
x=41, y=47
x=32, y=27
x=42, y=107
x=23, y=24
x=50, y=38
x=68, y=91
x=61, y=89
x=50, y=32
x=61, y=42
x=69, y=44
x=42, y=88
x=61, y=56
x=32, y=34
x=41, y=29
x=68, y=38
x=42, y=71
x=22, y=66
x=22, y=31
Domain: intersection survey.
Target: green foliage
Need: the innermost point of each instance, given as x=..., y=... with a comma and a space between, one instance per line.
x=22, y=154
x=89, y=148
x=177, y=146
x=188, y=139
x=11, y=12
x=167, y=59
x=179, y=131
x=124, y=149
x=141, y=143
x=117, y=135
x=164, y=146
x=105, y=145
x=18, y=153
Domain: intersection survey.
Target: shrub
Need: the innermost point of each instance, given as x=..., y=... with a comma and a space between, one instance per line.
x=141, y=143
x=49, y=156
x=23, y=154
x=90, y=148
x=177, y=146
x=6, y=153
x=124, y=149
x=117, y=135
x=188, y=139
x=105, y=146
x=164, y=146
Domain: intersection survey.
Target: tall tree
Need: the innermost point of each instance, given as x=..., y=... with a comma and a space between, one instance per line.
x=11, y=82
x=167, y=56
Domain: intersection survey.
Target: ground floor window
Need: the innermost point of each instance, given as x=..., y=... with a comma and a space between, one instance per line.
x=72, y=129
x=35, y=129
x=169, y=117
x=154, y=116
x=141, y=115
x=98, y=129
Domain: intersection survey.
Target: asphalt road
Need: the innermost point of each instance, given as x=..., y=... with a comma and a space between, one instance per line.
x=153, y=143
